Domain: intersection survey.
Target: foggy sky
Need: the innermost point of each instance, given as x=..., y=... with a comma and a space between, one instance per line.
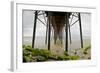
x=28, y=20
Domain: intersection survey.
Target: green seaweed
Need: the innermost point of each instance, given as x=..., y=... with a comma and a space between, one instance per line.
x=38, y=55
x=75, y=57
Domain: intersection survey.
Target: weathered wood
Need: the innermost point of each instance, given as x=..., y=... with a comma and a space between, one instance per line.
x=34, y=28
x=66, y=32
x=74, y=22
x=49, y=32
x=80, y=26
x=46, y=32
x=70, y=35
x=70, y=30
x=41, y=21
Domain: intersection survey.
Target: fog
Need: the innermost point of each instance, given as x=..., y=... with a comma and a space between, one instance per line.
x=28, y=23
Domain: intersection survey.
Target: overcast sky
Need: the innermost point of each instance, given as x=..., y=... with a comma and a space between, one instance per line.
x=28, y=20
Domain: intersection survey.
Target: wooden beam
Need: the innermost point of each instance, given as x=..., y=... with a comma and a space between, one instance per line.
x=46, y=32
x=70, y=30
x=34, y=28
x=49, y=32
x=44, y=16
x=41, y=21
x=66, y=32
x=70, y=35
x=74, y=22
x=80, y=26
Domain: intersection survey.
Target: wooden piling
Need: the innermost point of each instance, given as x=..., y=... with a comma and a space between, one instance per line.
x=80, y=26
x=70, y=35
x=66, y=32
x=46, y=32
x=49, y=32
x=34, y=28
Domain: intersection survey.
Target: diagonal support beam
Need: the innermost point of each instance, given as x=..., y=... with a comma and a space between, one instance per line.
x=41, y=21
x=74, y=22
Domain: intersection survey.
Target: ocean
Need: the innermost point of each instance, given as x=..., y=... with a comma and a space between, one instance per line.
x=40, y=42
